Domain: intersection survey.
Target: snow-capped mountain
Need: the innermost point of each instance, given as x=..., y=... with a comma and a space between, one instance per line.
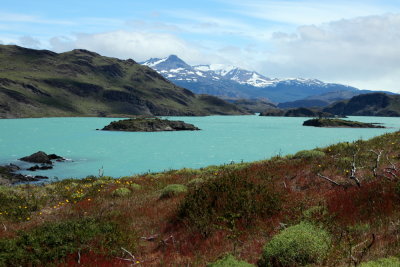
x=228, y=81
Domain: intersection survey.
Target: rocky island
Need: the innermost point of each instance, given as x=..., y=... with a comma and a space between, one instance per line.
x=339, y=123
x=149, y=124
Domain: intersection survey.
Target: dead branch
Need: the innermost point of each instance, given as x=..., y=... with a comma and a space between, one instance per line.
x=328, y=179
x=79, y=256
x=354, y=170
x=150, y=238
x=363, y=251
x=378, y=158
x=392, y=169
x=5, y=227
x=130, y=254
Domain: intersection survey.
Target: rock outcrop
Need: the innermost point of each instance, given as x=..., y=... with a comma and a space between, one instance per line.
x=339, y=123
x=149, y=125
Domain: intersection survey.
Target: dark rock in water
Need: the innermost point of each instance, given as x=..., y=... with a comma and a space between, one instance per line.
x=41, y=157
x=339, y=123
x=8, y=177
x=56, y=157
x=40, y=177
x=38, y=157
x=149, y=125
x=37, y=167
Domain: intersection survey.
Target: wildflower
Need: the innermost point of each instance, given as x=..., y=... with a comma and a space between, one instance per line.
x=319, y=166
x=88, y=199
x=137, y=261
x=55, y=207
x=67, y=200
x=40, y=213
x=28, y=219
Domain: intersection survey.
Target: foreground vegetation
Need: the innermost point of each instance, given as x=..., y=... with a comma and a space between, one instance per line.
x=334, y=206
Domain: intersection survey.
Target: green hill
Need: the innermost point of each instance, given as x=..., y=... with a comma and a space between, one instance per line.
x=41, y=83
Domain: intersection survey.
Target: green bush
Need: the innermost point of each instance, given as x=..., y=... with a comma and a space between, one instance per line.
x=297, y=245
x=121, y=192
x=228, y=199
x=55, y=241
x=229, y=261
x=135, y=186
x=385, y=262
x=309, y=154
x=173, y=190
x=195, y=182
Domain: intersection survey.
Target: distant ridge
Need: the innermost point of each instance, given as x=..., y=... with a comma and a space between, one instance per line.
x=231, y=82
x=41, y=83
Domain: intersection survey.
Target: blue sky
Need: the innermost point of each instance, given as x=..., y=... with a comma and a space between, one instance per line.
x=352, y=42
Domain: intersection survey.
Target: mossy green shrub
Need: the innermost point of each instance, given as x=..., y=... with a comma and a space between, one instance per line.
x=195, y=182
x=309, y=154
x=229, y=261
x=231, y=198
x=54, y=241
x=135, y=186
x=173, y=190
x=121, y=192
x=385, y=262
x=297, y=245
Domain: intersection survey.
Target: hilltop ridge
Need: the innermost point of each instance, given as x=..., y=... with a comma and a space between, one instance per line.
x=42, y=83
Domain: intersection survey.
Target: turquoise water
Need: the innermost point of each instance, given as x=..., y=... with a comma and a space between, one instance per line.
x=222, y=139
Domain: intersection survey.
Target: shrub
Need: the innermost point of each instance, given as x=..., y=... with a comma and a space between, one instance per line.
x=135, y=186
x=195, y=182
x=385, y=262
x=121, y=192
x=55, y=241
x=229, y=199
x=309, y=154
x=297, y=245
x=173, y=190
x=229, y=261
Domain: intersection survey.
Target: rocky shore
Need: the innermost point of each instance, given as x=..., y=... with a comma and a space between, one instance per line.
x=42, y=161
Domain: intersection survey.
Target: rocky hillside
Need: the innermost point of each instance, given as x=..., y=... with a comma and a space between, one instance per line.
x=375, y=104
x=40, y=83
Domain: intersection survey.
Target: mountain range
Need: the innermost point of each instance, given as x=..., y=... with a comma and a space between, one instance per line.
x=230, y=82
x=42, y=83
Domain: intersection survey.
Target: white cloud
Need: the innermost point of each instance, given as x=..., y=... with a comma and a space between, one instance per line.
x=123, y=44
x=23, y=18
x=28, y=41
x=364, y=52
x=307, y=11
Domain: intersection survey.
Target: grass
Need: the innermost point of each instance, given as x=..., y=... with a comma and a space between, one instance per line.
x=235, y=209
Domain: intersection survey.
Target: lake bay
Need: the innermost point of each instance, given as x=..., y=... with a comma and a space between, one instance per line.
x=222, y=140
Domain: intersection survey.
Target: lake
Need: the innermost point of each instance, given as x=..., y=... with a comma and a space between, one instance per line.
x=223, y=139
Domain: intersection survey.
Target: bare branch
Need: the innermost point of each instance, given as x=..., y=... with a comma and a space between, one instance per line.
x=130, y=254
x=150, y=238
x=354, y=170
x=328, y=179
x=5, y=227
x=378, y=158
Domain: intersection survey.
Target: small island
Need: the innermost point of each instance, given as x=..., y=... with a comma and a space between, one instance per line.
x=323, y=122
x=149, y=124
